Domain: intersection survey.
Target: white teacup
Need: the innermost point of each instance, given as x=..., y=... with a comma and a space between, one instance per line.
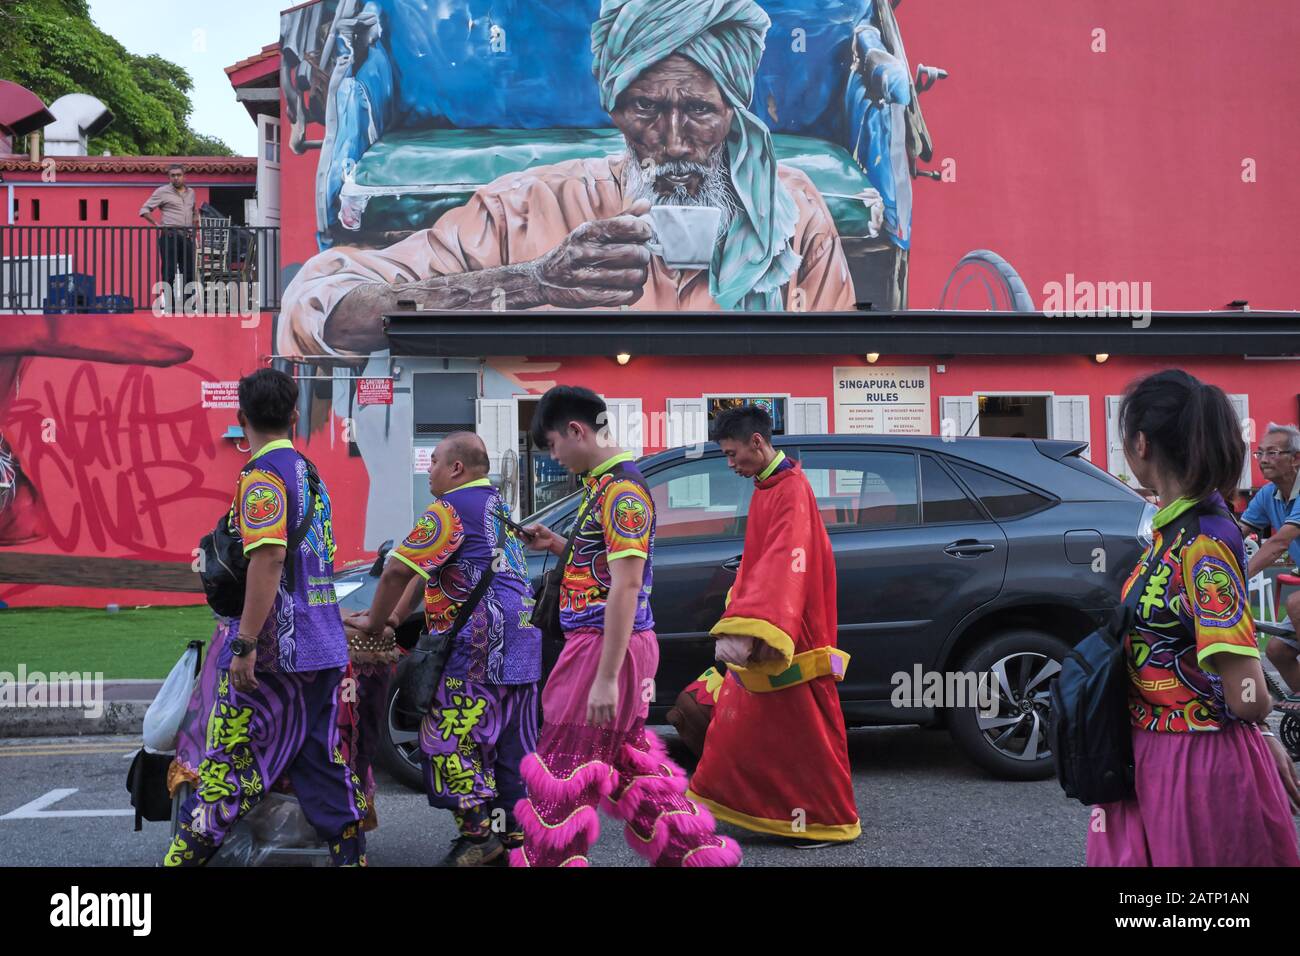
x=684, y=236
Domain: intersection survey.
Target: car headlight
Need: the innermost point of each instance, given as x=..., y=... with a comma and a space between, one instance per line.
x=343, y=588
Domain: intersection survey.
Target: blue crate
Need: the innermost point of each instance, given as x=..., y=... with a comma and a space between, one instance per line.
x=71, y=289
x=112, y=304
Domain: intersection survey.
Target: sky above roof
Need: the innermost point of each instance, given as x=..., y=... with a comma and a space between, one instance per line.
x=205, y=37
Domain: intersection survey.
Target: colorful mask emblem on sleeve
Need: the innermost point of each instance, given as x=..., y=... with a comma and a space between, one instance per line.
x=263, y=505
x=1216, y=592
x=630, y=515
x=425, y=531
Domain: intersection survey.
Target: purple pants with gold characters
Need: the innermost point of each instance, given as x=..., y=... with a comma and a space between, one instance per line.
x=288, y=725
x=473, y=740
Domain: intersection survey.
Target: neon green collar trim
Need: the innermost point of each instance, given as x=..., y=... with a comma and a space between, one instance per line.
x=272, y=446
x=1171, y=511
x=766, y=473
x=609, y=463
x=476, y=483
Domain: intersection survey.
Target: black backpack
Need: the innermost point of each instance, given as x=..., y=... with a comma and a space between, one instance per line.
x=1088, y=723
x=222, y=565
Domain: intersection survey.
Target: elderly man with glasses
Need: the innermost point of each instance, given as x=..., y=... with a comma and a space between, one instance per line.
x=1276, y=508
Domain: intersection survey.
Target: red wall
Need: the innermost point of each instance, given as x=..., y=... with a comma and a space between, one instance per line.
x=297, y=193
x=60, y=204
x=124, y=460
x=1123, y=165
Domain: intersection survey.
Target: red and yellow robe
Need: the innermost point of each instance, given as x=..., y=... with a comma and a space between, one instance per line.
x=776, y=755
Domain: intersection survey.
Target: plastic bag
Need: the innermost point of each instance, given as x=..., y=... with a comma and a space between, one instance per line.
x=273, y=833
x=162, y=721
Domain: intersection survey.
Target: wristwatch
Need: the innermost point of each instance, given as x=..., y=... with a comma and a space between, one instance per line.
x=241, y=648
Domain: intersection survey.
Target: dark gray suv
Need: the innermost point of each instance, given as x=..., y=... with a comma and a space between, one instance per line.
x=959, y=556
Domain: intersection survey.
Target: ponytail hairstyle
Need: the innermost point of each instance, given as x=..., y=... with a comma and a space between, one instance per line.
x=1191, y=427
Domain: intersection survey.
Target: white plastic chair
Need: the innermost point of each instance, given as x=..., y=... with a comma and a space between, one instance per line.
x=1264, y=587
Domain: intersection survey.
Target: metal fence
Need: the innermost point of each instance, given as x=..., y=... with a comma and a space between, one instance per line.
x=212, y=267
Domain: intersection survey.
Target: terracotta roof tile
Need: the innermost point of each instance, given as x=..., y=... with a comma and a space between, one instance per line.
x=136, y=164
x=268, y=51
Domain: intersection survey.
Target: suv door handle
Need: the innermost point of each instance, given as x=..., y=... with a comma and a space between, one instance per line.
x=968, y=549
x=732, y=564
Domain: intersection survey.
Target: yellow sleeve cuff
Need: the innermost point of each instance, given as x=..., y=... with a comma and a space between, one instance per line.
x=410, y=564
x=1221, y=648
x=248, y=548
x=765, y=631
x=626, y=554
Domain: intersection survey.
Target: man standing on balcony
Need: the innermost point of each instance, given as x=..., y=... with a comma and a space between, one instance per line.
x=180, y=215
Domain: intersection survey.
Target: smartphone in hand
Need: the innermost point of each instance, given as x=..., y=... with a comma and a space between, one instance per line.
x=518, y=529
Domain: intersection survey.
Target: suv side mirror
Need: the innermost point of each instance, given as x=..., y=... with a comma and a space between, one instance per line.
x=377, y=568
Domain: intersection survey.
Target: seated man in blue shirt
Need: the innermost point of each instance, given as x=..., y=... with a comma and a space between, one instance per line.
x=1276, y=507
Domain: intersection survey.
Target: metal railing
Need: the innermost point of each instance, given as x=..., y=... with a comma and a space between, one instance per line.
x=139, y=268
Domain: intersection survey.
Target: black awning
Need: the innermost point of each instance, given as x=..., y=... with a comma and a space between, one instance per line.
x=461, y=334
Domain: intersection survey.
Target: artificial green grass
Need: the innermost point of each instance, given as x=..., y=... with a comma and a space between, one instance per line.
x=133, y=643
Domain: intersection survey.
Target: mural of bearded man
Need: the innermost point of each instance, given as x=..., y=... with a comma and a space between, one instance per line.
x=676, y=77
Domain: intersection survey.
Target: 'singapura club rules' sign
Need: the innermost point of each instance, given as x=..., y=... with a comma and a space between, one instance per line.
x=883, y=401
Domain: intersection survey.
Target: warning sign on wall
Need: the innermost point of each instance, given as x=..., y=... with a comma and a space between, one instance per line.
x=220, y=394
x=374, y=391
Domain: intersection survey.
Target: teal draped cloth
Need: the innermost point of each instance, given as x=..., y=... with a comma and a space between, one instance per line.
x=725, y=37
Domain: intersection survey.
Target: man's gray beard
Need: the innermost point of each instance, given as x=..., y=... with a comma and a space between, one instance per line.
x=716, y=189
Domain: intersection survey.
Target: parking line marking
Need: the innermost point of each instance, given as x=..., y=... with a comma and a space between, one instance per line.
x=79, y=745
x=63, y=753
x=63, y=744
x=46, y=752
x=36, y=809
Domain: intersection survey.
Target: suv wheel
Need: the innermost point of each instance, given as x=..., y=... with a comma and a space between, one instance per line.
x=1012, y=744
x=399, y=744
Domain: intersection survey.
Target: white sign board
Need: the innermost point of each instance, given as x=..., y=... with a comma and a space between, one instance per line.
x=882, y=401
x=220, y=394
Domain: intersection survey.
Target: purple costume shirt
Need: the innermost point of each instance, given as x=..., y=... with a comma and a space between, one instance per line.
x=304, y=631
